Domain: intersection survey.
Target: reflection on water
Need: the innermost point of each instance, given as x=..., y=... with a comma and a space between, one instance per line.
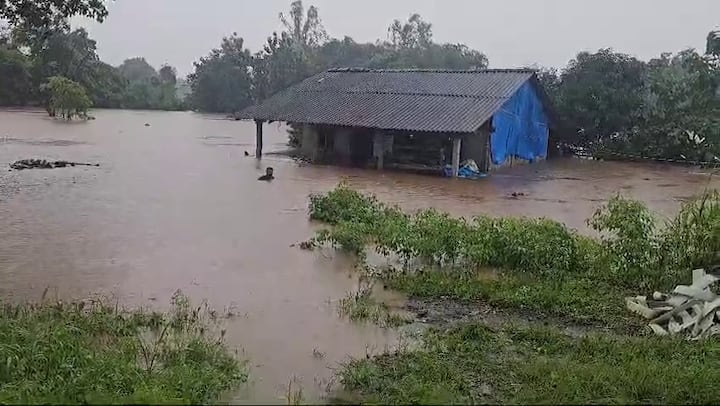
x=176, y=205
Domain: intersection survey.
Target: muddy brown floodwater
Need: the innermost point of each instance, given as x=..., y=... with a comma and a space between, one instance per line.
x=176, y=205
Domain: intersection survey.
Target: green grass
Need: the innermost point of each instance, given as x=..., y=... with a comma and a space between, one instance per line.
x=544, y=268
x=577, y=301
x=96, y=353
x=473, y=364
x=361, y=306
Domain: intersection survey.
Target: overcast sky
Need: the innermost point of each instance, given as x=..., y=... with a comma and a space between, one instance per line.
x=511, y=33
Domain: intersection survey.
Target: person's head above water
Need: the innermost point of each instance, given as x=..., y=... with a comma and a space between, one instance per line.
x=268, y=174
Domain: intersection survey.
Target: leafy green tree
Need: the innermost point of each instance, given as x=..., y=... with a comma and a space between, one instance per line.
x=680, y=115
x=292, y=55
x=44, y=13
x=106, y=86
x=280, y=64
x=222, y=80
x=411, y=46
x=346, y=53
x=15, y=77
x=434, y=56
x=67, y=98
x=138, y=69
x=58, y=52
x=147, y=88
x=600, y=94
x=71, y=54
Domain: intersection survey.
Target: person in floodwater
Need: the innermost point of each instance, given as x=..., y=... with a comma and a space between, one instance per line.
x=268, y=175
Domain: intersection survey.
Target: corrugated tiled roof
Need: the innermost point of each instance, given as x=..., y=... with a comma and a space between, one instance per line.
x=413, y=100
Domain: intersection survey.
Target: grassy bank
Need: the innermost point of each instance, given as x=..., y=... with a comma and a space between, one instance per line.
x=474, y=364
x=537, y=266
x=91, y=352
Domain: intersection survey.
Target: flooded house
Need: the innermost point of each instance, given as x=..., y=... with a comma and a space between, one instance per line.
x=460, y=123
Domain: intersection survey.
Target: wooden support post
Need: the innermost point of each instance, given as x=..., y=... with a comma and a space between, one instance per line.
x=456, y=156
x=379, y=149
x=258, y=139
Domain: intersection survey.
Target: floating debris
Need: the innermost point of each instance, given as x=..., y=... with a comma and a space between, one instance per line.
x=44, y=164
x=691, y=310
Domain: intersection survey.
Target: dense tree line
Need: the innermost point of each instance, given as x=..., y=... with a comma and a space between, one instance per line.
x=37, y=44
x=28, y=59
x=668, y=107
x=232, y=77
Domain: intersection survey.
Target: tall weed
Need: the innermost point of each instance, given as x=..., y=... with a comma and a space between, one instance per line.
x=692, y=239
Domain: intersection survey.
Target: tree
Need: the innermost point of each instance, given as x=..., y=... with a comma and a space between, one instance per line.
x=414, y=33
x=681, y=110
x=67, y=97
x=45, y=13
x=106, y=86
x=600, y=94
x=411, y=46
x=138, y=69
x=168, y=75
x=306, y=30
x=71, y=54
x=433, y=56
x=222, y=80
x=292, y=55
x=713, y=43
x=279, y=65
x=15, y=77
x=345, y=53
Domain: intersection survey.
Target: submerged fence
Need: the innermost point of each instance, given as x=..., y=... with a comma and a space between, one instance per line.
x=624, y=156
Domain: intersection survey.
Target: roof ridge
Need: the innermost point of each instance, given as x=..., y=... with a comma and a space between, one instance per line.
x=418, y=70
x=467, y=96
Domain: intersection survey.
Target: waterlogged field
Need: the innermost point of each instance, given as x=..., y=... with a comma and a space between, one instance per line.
x=176, y=205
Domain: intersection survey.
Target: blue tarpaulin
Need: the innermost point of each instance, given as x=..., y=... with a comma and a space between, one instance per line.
x=521, y=127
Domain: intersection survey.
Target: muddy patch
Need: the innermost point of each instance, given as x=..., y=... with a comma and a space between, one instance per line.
x=447, y=313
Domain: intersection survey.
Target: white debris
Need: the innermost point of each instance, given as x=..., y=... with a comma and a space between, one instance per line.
x=690, y=310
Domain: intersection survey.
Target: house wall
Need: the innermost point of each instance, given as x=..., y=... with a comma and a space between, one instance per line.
x=520, y=129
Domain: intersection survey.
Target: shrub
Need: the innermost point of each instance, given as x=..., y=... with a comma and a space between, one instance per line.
x=344, y=204
x=628, y=231
x=96, y=353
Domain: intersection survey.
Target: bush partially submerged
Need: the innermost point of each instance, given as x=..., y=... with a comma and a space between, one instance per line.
x=92, y=352
x=632, y=253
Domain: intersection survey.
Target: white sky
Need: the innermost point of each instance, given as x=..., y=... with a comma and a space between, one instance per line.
x=511, y=33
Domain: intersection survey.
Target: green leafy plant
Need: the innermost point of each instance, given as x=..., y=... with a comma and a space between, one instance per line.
x=629, y=236
x=94, y=352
